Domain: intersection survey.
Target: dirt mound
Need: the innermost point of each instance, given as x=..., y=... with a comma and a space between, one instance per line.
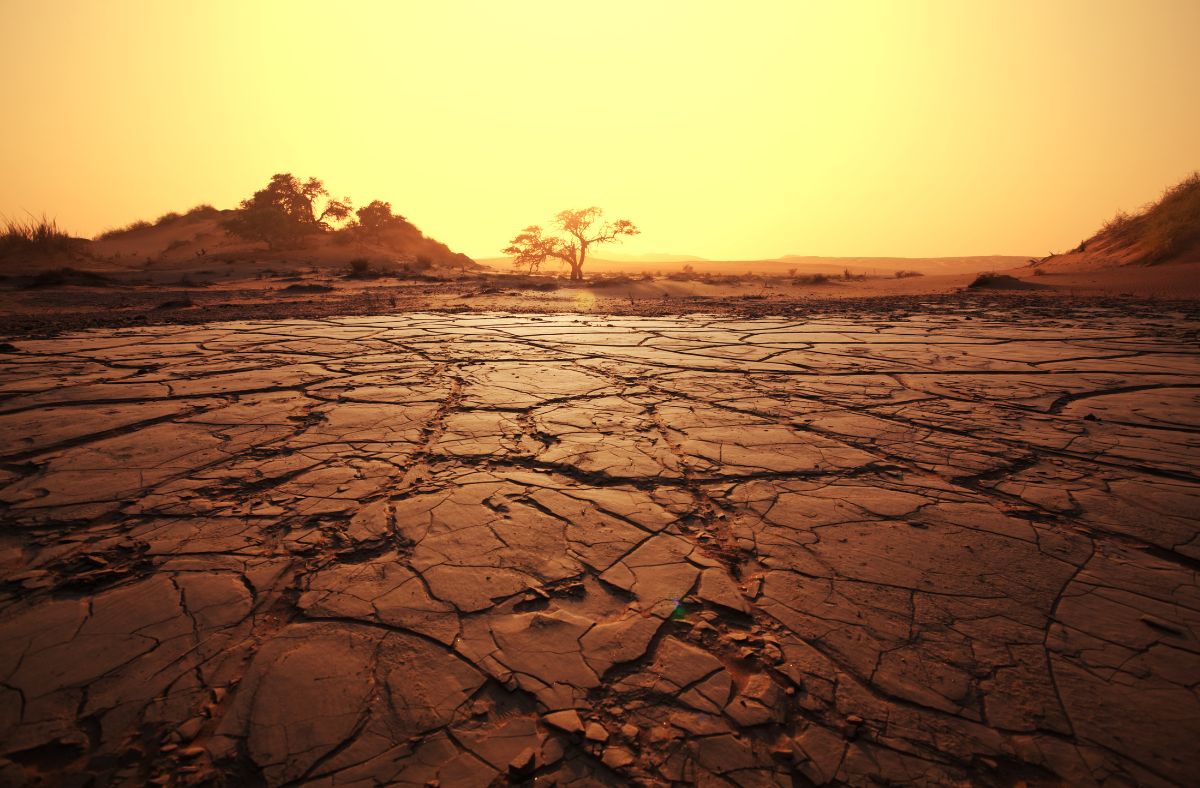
x=63, y=277
x=1164, y=232
x=1002, y=282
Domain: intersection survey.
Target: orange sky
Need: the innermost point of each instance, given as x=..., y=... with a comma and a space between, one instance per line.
x=847, y=128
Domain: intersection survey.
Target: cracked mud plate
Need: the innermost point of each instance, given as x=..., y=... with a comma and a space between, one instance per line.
x=466, y=550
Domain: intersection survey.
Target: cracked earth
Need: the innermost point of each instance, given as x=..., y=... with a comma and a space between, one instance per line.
x=476, y=549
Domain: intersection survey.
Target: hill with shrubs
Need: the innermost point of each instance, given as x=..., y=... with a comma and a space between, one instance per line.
x=289, y=220
x=1166, y=232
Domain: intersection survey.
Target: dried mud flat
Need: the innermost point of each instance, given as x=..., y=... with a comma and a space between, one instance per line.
x=437, y=549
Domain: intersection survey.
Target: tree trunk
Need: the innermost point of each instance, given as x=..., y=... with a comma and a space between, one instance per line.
x=577, y=268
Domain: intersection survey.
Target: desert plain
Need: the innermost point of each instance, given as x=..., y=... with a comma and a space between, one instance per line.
x=949, y=540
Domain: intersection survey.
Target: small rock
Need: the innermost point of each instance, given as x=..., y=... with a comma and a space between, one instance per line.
x=567, y=721
x=596, y=732
x=552, y=751
x=522, y=763
x=190, y=729
x=629, y=731
x=617, y=757
x=192, y=752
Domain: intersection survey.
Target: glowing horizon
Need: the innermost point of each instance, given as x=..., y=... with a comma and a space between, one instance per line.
x=866, y=129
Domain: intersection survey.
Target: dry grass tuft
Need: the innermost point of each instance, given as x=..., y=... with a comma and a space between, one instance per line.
x=33, y=236
x=1163, y=229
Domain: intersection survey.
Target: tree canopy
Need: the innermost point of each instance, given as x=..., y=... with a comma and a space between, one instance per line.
x=572, y=233
x=286, y=210
x=376, y=216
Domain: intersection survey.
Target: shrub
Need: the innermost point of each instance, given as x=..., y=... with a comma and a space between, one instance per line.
x=903, y=274
x=108, y=235
x=360, y=268
x=201, y=211
x=812, y=279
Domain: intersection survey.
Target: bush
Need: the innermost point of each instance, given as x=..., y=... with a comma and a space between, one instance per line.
x=201, y=211
x=902, y=274
x=108, y=235
x=812, y=279
x=360, y=268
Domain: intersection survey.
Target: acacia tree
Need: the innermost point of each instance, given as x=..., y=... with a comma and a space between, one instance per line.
x=572, y=234
x=286, y=210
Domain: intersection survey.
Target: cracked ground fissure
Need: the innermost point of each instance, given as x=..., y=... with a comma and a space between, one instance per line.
x=473, y=549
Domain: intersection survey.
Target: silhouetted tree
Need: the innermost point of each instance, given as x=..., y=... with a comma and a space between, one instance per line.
x=377, y=216
x=572, y=234
x=286, y=210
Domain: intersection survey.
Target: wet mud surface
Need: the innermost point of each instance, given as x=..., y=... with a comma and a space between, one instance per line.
x=435, y=549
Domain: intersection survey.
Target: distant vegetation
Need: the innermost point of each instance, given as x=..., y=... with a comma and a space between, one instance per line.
x=287, y=215
x=1161, y=230
x=288, y=210
x=202, y=211
x=572, y=234
x=33, y=236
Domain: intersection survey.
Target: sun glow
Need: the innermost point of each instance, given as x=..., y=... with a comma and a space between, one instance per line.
x=812, y=128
